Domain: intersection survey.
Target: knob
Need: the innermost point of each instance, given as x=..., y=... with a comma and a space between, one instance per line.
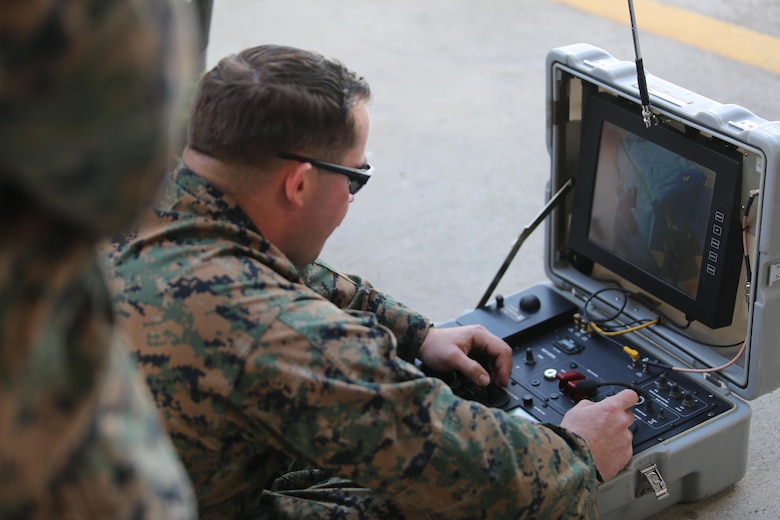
x=499, y=302
x=675, y=393
x=529, y=357
x=530, y=303
x=528, y=400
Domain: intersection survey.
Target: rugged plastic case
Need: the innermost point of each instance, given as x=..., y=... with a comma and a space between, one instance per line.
x=702, y=445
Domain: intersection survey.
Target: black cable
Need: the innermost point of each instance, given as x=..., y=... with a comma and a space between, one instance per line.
x=589, y=300
x=745, y=214
x=588, y=387
x=652, y=307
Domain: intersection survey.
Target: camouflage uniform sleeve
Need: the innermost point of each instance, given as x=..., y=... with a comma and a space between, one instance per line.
x=355, y=292
x=333, y=391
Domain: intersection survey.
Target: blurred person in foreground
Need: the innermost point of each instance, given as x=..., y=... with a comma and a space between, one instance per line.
x=290, y=389
x=87, y=88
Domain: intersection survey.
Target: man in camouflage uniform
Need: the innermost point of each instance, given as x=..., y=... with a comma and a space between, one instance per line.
x=290, y=389
x=86, y=89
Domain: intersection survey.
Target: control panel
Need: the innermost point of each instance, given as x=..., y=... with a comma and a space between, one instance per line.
x=558, y=362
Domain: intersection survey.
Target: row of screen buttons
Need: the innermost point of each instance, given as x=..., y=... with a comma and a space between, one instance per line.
x=717, y=230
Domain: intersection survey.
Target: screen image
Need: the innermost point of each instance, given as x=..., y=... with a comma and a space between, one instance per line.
x=658, y=207
x=651, y=207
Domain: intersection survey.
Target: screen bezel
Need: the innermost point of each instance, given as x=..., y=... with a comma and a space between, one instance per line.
x=713, y=303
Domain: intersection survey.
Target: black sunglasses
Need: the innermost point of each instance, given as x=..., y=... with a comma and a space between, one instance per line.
x=358, y=177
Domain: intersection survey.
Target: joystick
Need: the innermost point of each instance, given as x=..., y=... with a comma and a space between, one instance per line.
x=491, y=395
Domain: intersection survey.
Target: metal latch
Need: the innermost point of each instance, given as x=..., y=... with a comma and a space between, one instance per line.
x=655, y=481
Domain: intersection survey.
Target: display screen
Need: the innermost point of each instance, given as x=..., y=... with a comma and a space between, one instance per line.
x=659, y=207
x=651, y=207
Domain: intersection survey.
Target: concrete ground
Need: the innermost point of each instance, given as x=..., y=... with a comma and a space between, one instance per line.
x=458, y=143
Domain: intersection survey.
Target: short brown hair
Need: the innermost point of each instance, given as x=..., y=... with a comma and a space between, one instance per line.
x=272, y=98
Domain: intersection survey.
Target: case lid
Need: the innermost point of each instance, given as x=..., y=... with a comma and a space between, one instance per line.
x=683, y=212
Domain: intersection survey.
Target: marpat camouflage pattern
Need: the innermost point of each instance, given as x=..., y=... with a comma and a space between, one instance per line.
x=293, y=394
x=86, y=92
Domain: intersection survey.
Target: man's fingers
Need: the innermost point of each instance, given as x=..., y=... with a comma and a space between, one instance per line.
x=498, y=351
x=627, y=398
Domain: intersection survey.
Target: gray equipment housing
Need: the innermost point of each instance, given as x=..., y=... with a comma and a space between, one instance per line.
x=712, y=456
x=697, y=461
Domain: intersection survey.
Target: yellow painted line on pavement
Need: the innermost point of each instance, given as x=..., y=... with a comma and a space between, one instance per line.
x=723, y=38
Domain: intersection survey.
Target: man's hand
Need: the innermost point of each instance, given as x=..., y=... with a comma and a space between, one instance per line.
x=604, y=426
x=447, y=349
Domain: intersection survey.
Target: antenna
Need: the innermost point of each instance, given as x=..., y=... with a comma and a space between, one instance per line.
x=644, y=96
x=527, y=230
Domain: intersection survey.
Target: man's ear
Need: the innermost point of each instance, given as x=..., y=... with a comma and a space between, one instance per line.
x=297, y=182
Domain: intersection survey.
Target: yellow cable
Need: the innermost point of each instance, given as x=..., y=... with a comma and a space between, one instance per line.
x=624, y=331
